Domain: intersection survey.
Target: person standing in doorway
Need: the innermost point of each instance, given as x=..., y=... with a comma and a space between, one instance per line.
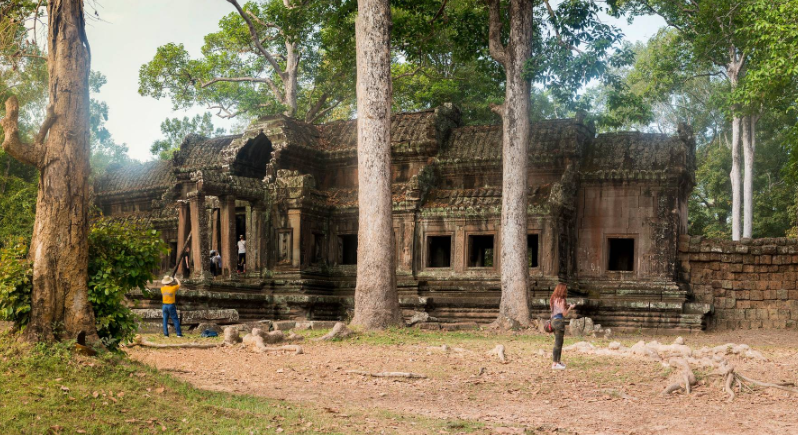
x=169, y=287
x=242, y=254
x=559, y=311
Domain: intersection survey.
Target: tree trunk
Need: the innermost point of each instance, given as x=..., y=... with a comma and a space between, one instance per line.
x=748, y=180
x=735, y=177
x=376, y=298
x=59, y=249
x=514, y=305
x=291, y=82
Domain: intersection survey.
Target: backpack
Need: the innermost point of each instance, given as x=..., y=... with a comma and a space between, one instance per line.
x=547, y=326
x=209, y=333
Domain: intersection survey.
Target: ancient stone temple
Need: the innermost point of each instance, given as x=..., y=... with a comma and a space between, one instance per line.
x=605, y=215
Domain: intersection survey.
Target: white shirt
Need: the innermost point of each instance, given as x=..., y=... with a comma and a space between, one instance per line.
x=242, y=247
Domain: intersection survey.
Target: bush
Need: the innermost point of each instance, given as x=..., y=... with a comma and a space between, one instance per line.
x=16, y=275
x=122, y=257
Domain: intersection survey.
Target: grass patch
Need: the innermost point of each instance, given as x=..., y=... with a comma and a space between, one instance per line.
x=47, y=389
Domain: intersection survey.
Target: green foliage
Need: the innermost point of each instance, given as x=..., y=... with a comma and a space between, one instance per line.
x=176, y=129
x=122, y=256
x=235, y=78
x=16, y=273
x=104, y=150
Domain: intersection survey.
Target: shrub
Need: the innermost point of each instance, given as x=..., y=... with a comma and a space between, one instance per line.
x=122, y=257
x=16, y=274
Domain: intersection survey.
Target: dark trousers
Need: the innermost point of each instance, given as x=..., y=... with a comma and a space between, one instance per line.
x=559, y=334
x=169, y=310
x=242, y=261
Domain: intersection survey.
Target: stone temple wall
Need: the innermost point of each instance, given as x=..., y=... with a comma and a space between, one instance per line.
x=751, y=284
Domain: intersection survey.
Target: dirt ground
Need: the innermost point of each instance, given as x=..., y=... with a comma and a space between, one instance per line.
x=595, y=395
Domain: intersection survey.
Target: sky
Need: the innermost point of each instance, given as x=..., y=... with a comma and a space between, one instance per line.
x=128, y=34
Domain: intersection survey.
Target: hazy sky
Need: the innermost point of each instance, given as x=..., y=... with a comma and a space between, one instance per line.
x=131, y=31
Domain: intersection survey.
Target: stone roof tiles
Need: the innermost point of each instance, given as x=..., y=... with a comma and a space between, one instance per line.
x=484, y=142
x=635, y=151
x=416, y=128
x=135, y=177
x=197, y=152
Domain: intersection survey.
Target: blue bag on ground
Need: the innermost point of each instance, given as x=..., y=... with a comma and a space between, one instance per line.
x=209, y=333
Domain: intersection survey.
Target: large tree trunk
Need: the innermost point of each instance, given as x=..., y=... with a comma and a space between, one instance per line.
x=514, y=305
x=735, y=177
x=60, y=307
x=291, y=82
x=376, y=298
x=748, y=180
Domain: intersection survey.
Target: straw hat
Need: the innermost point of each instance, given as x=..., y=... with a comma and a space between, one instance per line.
x=167, y=280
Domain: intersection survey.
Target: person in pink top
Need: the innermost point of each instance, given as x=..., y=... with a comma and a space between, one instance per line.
x=559, y=310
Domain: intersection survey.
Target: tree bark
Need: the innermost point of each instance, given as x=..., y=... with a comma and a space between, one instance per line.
x=733, y=71
x=735, y=177
x=60, y=306
x=748, y=180
x=514, y=305
x=376, y=298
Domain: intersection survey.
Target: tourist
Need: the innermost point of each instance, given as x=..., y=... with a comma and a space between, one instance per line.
x=558, y=314
x=242, y=254
x=216, y=263
x=168, y=292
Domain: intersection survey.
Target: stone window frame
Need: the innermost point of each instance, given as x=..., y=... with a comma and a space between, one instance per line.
x=539, y=233
x=467, y=253
x=289, y=258
x=606, y=253
x=453, y=245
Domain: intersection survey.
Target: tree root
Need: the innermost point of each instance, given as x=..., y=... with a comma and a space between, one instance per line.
x=339, y=331
x=231, y=336
x=297, y=349
x=498, y=351
x=406, y=375
x=258, y=339
x=138, y=340
x=682, y=357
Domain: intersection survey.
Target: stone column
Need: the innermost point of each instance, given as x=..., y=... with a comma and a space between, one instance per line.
x=183, y=230
x=199, y=239
x=215, y=230
x=227, y=226
x=256, y=240
x=295, y=221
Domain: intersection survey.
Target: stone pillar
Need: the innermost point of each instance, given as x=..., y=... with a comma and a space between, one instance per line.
x=295, y=221
x=256, y=239
x=227, y=226
x=183, y=230
x=199, y=239
x=215, y=229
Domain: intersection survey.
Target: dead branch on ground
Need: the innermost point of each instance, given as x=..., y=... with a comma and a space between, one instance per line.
x=406, y=375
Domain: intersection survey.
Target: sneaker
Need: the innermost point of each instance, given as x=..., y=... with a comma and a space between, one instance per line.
x=179, y=336
x=558, y=366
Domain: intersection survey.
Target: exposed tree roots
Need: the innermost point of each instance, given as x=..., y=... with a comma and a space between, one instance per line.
x=406, y=375
x=499, y=351
x=339, y=331
x=682, y=358
x=258, y=339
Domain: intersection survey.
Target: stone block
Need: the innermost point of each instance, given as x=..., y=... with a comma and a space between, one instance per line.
x=769, y=295
x=769, y=250
x=284, y=325
x=756, y=295
x=765, y=259
x=775, y=285
x=741, y=249
x=434, y=326
x=322, y=324
x=726, y=284
x=736, y=267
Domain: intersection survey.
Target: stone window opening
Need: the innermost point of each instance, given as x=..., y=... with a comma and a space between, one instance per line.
x=347, y=249
x=532, y=250
x=621, y=254
x=439, y=251
x=480, y=250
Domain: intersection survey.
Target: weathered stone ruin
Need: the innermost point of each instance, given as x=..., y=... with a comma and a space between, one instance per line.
x=605, y=215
